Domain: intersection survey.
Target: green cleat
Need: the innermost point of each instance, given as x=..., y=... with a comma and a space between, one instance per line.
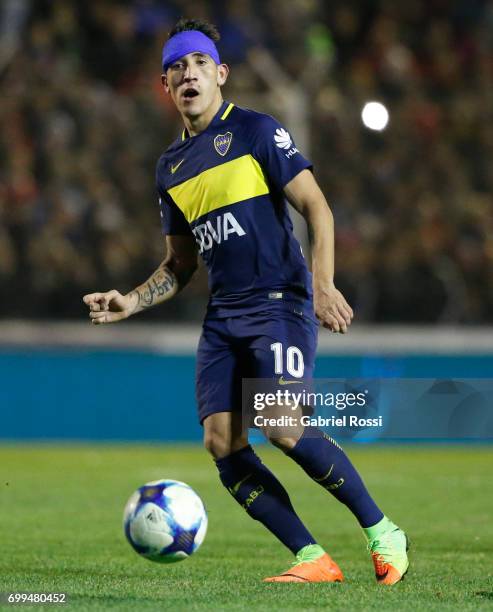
x=388, y=546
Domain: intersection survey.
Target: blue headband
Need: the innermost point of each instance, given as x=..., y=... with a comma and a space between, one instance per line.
x=190, y=41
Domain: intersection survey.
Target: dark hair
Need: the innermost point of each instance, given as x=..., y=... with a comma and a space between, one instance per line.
x=185, y=25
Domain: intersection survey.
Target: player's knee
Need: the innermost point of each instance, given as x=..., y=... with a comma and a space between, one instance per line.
x=216, y=444
x=283, y=443
x=221, y=445
x=283, y=438
x=223, y=435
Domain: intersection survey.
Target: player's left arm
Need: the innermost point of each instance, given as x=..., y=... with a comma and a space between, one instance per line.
x=306, y=197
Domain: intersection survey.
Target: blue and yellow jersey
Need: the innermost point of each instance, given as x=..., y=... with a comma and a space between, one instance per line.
x=225, y=187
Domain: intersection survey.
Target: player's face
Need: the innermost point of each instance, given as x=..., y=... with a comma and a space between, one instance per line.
x=194, y=83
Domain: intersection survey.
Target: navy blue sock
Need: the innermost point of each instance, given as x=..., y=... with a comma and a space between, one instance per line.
x=325, y=461
x=263, y=497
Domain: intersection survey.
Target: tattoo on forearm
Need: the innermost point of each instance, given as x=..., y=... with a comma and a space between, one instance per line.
x=159, y=284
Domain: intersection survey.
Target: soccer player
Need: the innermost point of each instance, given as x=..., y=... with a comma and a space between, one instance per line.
x=222, y=187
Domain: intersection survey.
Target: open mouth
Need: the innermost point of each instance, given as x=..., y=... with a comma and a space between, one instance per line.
x=190, y=93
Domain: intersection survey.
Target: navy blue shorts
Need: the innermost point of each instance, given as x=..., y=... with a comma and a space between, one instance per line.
x=266, y=344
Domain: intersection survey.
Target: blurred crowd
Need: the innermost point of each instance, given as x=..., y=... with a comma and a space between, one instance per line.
x=83, y=119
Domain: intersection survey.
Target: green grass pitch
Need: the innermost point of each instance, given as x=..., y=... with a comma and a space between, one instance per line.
x=60, y=522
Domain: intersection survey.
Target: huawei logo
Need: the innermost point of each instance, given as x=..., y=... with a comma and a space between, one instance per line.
x=282, y=139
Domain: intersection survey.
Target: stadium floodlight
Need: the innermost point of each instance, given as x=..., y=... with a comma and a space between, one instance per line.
x=375, y=116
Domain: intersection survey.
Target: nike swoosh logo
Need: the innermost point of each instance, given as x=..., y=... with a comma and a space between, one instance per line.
x=289, y=382
x=234, y=489
x=326, y=475
x=176, y=166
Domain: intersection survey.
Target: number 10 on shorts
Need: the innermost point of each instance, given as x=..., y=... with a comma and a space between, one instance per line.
x=294, y=360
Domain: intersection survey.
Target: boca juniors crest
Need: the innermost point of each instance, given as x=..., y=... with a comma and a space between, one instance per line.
x=222, y=143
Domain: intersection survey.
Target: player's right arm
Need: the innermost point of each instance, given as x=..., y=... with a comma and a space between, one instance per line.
x=170, y=277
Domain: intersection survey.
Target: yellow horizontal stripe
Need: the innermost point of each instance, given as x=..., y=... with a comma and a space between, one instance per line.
x=228, y=183
x=227, y=111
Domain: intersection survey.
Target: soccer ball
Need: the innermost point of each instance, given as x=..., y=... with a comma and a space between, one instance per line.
x=165, y=521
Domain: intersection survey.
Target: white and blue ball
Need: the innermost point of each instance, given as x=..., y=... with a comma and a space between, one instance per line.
x=165, y=521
